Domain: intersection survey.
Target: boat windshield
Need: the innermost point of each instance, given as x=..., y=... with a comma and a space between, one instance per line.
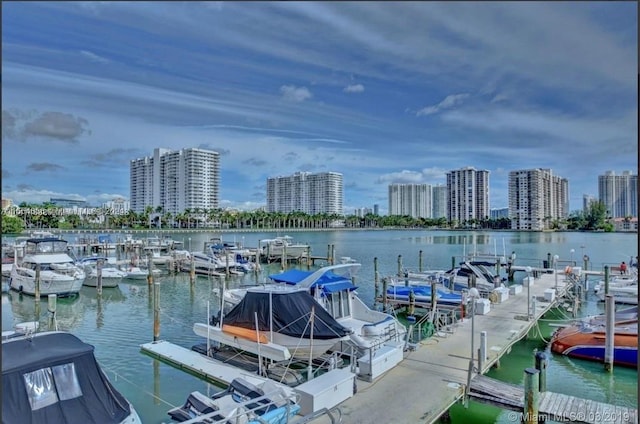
x=53, y=246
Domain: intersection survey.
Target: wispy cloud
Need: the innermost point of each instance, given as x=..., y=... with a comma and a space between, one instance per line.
x=448, y=102
x=94, y=57
x=44, y=166
x=354, y=88
x=295, y=94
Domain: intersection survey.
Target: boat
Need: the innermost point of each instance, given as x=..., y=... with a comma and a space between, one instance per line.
x=616, y=281
x=421, y=293
x=54, y=377
x=333, y=290
x=242, y=401
x=586, y=338
x=458, y=279
x=138, y=273
x=111, y=275
x=276, y=324
x=625, y=294
x=276, y=248
x=58, y=273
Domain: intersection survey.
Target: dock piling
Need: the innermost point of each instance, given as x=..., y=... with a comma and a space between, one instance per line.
x=399, y=265
x=531, y=396
x=483, y=351
x=156, y=311
x=52, y=306
x=420, y=261
x=99, y=276
x=541, y=365
x=609, y=310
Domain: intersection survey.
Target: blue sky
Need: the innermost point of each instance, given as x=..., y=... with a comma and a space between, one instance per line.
x=382, y=92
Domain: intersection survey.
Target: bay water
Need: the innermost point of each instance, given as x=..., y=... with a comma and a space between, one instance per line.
x=120, y=320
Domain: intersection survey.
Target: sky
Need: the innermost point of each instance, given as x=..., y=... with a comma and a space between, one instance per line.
x=382, y=92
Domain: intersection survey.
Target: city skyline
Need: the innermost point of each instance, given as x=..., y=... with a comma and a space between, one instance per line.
x=380, y=92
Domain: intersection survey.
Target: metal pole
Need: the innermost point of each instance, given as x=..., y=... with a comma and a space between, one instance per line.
x=609, y=310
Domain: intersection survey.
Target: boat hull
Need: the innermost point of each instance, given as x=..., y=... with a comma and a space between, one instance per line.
x=50, y=283
x=576, y=342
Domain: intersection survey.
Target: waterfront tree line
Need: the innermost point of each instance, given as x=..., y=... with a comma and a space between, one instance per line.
x=48, y=215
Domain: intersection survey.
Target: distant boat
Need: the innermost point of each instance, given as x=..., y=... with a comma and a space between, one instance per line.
x=422, y=293
x=137, y=273
x=586, y=339
x=274, y=249
x=111, y=275
x=54, y=377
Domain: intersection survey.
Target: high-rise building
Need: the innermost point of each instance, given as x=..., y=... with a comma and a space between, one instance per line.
x=499, y=213
x=439, y=201
x=619, y=193
x=413, y=200
x=587, y=201
x=176, y=180
x=376, y=209
x=467, y=195
x=306, y=192
x=536, y=199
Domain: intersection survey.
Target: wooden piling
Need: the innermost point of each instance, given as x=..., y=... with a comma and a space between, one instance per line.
x=52, y=306
x=37, y=290
x=606, y=280
x=420, y=261
x=156, y=311
x=531, y=396
x=399, y=265
x=192, y=270
x=376, y=285
x=99, y=276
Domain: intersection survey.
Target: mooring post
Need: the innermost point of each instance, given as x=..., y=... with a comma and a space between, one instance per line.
x=420, y=261
x=531, y=392
x=483, y=351
x=384, y=293
x=150, y=268
x=585, y=264
x=453, y=262
x=192, y=270
x=37, y=290
x=376, y=285
x=606, y=280
x=99, y=276
x=333, y=254
x=609, y=311
x=399, y=265
x=541, y=365
x=53, y=300
x=156, y=311
x=328, y=253
x=498, y=267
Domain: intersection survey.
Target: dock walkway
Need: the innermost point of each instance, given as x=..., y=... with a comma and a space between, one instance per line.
x=433, y=377
x=552, y=406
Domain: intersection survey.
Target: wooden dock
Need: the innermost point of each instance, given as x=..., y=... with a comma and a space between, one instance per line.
x=551, y=406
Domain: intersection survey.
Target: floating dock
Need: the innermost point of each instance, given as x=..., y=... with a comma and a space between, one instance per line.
x=434, y=376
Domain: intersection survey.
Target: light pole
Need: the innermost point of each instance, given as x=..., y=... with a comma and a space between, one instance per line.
x=555, y=270
x=528, y=269
x=473, y=296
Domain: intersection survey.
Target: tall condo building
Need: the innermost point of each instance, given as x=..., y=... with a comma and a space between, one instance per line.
x=619, y=193
x=536, y=199
x=176, y=180
x=306, y=192
x=413, y=200
x=439, y=201
x=468, y=195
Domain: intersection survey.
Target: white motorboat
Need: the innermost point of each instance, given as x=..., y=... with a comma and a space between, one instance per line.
x=138, y=273
x=276, y=248
x=54, y=377
x=47, y=257
x=622, y=294
x=111, y=275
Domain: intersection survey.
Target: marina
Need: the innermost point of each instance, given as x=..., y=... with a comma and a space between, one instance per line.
x=441, y=361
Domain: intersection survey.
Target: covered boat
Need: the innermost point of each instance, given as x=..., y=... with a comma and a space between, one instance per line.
x=53, y=377
x=289, y=323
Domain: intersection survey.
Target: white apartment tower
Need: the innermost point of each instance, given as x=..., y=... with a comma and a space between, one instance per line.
x=536, y=199
x=413, y=200
x=619, y=193
x=176, y=180
x=439, y=201
x=312, y=194
x=468, y=195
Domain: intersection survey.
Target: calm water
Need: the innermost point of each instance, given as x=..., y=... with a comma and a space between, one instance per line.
x=122, y=319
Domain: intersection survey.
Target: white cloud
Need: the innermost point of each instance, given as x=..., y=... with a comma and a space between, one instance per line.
x=402, y=177
x=94, y=57
x=295, y=94
x=354, y=88
x=448, y=102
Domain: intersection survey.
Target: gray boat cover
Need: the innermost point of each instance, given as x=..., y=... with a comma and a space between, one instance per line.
x=99, y=402
x=291, y=315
